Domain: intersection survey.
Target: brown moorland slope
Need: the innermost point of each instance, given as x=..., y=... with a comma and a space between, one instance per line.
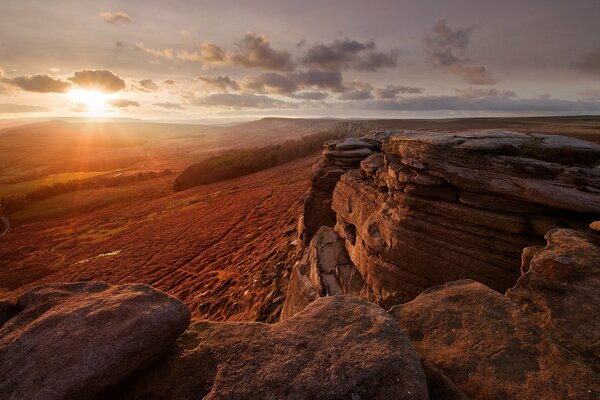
x=221, y=248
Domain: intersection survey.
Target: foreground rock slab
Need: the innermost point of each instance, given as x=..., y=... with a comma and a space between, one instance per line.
x=339, y=347
x=71, y=341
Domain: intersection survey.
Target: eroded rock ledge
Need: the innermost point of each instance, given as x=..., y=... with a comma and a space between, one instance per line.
x=431, y=208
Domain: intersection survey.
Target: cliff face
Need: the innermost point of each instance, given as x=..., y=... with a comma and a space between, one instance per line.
x=431, y=208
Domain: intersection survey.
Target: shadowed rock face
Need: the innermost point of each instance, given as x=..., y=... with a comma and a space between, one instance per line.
x=538, y=341
x=436, y=207
x=337, y=348
x=71, y=341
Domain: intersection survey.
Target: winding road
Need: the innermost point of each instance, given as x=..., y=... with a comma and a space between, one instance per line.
x=6, y=225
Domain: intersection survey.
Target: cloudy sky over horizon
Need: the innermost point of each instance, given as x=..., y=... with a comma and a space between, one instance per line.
x=185, y=59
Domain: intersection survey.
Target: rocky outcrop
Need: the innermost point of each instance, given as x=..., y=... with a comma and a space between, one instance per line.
x=71, y=341
x=538, y=341
x=436, y=207
x=337, y=348
x=324, y=270
x=339, y=156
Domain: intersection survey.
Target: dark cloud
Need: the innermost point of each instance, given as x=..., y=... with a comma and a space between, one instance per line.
x=240, y=101
x=221, y=83
x=39, y=84
x=391, y=91
x=122, y=103
x=20, y=108
x=170, y=106
x=348, y=54
x=322, y=80
x=272, y=83
x=476, y=75
x=590, y=62
x=309, y=95
x=447, y=45
x=477, y=93
x=357, y=91
x=447, y=48
x=101, y=80
x=488, y=104
x=146, y=85
x=256, y=51
x=116, y=17
x=252, y=51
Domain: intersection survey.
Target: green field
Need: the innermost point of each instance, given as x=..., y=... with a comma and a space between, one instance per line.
x=15, y=189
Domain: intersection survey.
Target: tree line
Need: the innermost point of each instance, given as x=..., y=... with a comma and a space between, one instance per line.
x=15, y=203
x=239, y=162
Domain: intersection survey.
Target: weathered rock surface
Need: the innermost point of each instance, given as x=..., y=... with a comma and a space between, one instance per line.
x=324, y=270
x=7, y=311
x=561, y=291
x=540, y=340
x=71, y=341
x=489, y=348
x=437, y=207
x=339, y=347
x=339, y=156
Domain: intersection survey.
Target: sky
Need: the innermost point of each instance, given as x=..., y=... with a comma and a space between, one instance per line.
x=193, y=59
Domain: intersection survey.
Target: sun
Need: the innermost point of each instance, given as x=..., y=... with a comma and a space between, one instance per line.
x=91, y=102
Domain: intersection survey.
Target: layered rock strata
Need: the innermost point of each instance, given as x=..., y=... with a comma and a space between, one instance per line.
x=436, y=207
x=339, y=156
x=540, y=340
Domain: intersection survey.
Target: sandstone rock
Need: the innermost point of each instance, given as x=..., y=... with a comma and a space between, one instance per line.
x=7, y=310
x=561, y=290
x=548, y=170
x=339, y=347
x=370, y=164
x=440, y=192
x=355, y=153
x=353, y=143
x=498, y=203
x=595, y=226
x=488, y=348
x=71, y=341
x=325, y=270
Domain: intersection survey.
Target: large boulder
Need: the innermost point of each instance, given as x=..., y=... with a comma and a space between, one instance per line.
x=71, y=341
x=339, y=347
x=489, y=348
x=560, y=289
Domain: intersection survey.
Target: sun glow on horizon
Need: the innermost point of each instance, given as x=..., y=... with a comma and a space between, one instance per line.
x=92, y=102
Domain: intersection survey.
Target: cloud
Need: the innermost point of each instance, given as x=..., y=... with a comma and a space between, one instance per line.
x=169, y=106
x=20, y=108
x=240, y=101
x=101, y=80
x=590, y=62
x=348, y=54
x=358, y=91
x=447, y=45
x=309, y=95
x=486, y=104
x=477, y=93
x=165, y=53
x=39, y=84
x=323, y=80
x=146, y=85
x=447, y=48
x=472, y=74
x=391, y=91
x=272, y=83
x=122, y=103
x=169, y=82
x=252, y=51
x=221, y=83
x=116, y=17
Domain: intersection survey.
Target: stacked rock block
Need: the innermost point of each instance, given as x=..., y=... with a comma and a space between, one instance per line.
x=436, y=207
